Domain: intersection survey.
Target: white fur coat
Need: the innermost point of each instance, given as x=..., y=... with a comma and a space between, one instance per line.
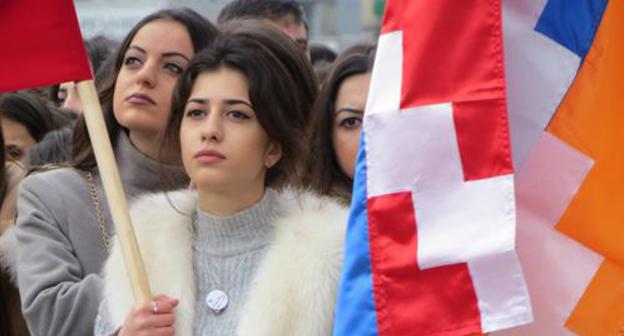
x=292, y=292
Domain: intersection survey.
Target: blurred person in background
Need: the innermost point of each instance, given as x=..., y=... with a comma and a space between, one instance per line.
x=11, y=320
x=54, y=148
x=322, y=58
x=25, y=121
x=11, y=173
x=287, y=15
x=334, y=133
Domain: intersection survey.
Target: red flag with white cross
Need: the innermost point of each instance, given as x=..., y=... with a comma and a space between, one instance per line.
x=434, y=189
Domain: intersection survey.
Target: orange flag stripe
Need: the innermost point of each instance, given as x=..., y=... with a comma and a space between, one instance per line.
x=591, y=119
x=600, y=311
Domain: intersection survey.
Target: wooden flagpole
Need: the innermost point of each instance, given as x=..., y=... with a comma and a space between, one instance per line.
x=100, y=141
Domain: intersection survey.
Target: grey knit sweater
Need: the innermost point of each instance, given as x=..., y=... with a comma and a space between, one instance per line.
x=227, y=251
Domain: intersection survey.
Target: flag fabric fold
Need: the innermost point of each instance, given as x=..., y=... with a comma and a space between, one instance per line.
x=563, y=61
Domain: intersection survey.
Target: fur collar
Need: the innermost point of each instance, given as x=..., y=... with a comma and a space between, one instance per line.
x=293, y=290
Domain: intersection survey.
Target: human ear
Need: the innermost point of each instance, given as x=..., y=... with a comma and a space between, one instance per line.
x=273, y=154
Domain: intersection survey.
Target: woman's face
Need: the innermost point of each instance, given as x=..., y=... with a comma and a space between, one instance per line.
x=17, y=140
x=68, y=95
x=348, y=113
x=157, y=55
x=224, y=147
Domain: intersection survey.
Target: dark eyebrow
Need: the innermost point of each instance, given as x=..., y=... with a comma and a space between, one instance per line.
x=176, y=54
x=203, y=101
x=137, y=48
x=237, y=101
x=166, y=54
x=349, y=109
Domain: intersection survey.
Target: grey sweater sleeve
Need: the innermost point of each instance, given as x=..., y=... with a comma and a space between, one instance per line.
x=57, y=299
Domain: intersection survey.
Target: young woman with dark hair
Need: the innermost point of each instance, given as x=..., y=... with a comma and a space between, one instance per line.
x=334, y=132
x=64, y=226
x=11, y=173
x=244, y=253
x=11, y=320
x=25, y=121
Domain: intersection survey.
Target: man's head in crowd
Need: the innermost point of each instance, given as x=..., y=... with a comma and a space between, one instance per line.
x=285, y=14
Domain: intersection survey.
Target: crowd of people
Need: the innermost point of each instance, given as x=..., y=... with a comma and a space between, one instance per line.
x=236, y=144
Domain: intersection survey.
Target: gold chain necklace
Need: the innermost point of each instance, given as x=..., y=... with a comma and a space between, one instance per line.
x=98, y=212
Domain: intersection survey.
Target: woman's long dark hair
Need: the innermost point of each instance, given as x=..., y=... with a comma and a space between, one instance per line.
x=11, y=320
x=32, y=113
x=282, y=88
x=324, y=174
x=202, y=33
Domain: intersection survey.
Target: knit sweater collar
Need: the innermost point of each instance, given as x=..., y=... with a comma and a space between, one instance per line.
x=241, y=232
x=140, y=173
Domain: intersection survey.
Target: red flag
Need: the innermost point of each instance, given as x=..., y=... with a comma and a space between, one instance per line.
x=41, y=44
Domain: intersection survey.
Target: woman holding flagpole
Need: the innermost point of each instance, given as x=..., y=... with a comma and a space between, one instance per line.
x=64, y=226
x=334, y=132
x=243, y=253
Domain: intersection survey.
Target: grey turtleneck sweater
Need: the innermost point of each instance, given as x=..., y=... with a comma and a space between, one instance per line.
x=227, y=251
x=61, y=250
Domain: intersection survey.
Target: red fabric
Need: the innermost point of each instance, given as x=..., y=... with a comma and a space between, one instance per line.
x=452, y=52
x=439, y=301
x=483, y=137
x=41, y=44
